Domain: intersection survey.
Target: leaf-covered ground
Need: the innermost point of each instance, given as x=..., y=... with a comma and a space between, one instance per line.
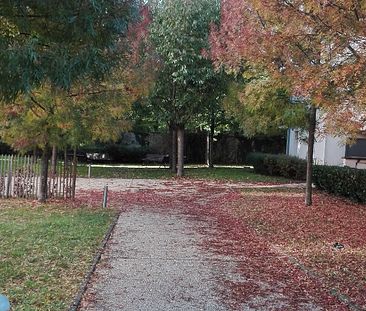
x=311, y=234
x=45, y=251
x=279, y=243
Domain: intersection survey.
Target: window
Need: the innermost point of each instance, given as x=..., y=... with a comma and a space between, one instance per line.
x=357, y=150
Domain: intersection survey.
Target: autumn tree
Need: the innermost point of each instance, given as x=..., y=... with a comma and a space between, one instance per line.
x=261, y=106
x=315, y=49
x=50, y=57
x=179, y=33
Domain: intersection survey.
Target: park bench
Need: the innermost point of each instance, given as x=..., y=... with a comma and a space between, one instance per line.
x=152, y=158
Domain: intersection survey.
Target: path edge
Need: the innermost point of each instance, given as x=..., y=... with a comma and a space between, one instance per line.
x=84, y=285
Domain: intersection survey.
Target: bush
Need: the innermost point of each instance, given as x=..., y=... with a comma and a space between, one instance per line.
x=5, y=149
x=127, y=154
x=344, y=181
x=278, y=165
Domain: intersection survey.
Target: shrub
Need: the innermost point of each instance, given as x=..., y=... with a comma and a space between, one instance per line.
x=344, y=181
x=127, y=154
x=278, y=165
x=5, y=149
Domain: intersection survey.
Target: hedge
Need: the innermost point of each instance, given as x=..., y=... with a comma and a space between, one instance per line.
x=344, y=181
x=278, y=165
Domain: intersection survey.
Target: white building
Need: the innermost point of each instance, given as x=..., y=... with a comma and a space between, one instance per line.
x=329, y=150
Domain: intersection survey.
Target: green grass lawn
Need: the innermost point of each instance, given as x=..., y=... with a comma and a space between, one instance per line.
x=45, y=252
x=218, y=173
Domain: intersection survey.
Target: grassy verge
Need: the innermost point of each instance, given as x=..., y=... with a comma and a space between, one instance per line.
x=218, y=173
x=46, y=251
x=310, y=234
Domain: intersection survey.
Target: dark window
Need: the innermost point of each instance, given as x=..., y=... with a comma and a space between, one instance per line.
x=357, y=150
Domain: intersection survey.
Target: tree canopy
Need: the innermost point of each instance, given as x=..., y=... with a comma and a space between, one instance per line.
x=179, y=32
x=263, y=108
x=315, y=48
x=58, y=43
x=56, y=68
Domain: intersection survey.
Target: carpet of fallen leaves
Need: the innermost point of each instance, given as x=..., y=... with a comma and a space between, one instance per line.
x=309, y=234
x=268, y=232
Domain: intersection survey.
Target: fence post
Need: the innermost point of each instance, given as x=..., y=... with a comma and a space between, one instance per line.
x=2, y=178
x=10, y=176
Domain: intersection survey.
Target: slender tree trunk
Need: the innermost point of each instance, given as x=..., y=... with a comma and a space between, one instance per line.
x=180, y=142
x=54, y=161
x=208, y=149
x=210, y=138
x=44, y=175
x=173, y=150
x=309, y=167
x=74, y=173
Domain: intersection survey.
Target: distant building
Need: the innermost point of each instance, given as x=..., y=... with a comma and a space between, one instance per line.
x=329, y=150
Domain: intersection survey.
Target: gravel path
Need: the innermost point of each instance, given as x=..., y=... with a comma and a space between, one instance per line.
x=154, y=264
x=115, y=184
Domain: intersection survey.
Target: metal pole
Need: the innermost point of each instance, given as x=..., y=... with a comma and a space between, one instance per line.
x=105, y=196
x=89, y=170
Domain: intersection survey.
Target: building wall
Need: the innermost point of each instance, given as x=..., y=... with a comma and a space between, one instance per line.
x=319, y=151
x=296, y=147
x=328, y=150
x=292, y=143
x=335, y=150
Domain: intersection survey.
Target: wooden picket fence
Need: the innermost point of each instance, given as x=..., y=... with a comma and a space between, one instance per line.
x=20, y=177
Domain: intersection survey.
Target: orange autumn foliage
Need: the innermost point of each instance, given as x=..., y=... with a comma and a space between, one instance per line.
x=316, y=48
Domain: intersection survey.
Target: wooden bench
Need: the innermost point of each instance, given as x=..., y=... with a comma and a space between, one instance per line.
x=152, y=158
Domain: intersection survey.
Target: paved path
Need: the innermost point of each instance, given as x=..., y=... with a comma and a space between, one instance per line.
x=156, y=259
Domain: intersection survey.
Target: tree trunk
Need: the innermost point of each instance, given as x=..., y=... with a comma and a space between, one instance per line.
x=309, y=167
x=53, y=161
x=180, y=142
x=74, y=173
x=44, y=175
x=208, y=147
x=173, y=150
x=210, y=137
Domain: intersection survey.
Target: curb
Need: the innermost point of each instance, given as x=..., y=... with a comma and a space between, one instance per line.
x=77, y=300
